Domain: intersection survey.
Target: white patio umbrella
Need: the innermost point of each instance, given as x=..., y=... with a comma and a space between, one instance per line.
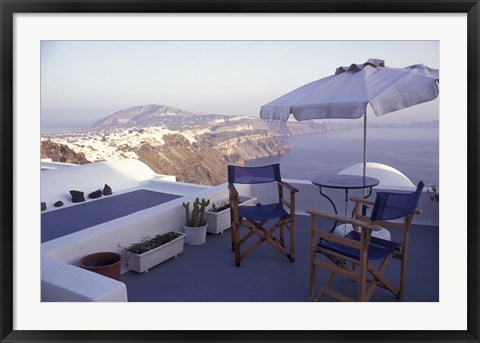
x=347, y=93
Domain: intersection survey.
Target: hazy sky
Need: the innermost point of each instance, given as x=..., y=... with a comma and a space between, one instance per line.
x=83, y=81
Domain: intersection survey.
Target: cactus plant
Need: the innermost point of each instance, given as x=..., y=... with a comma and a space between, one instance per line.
x=196, y=217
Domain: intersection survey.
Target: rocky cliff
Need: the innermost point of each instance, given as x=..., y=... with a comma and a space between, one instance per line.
x=189, y=163
x=61, y=153
x=205, y=161
x=238, y=147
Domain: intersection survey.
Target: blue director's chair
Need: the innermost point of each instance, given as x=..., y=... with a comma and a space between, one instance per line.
x=253, y=219
x=360, y=249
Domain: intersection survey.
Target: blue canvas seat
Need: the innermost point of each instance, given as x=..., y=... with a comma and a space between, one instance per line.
x=360, y=249
x=251, y=221
x=262, y=212
x=377, y=248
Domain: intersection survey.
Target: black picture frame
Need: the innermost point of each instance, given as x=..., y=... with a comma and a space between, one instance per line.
x=10, y=7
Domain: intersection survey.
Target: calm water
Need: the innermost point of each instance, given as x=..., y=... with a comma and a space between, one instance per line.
x=413, y=151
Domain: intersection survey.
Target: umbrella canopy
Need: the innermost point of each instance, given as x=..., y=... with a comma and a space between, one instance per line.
x=347, y=93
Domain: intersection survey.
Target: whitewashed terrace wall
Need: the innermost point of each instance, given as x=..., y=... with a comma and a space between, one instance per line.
x=132, y=228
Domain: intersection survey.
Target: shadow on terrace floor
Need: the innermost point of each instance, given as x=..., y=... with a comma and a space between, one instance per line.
x=208, y=273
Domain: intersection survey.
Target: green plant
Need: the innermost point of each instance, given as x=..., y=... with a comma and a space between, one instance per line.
x=219, y=206
x=196, y=217
x=148, y=243
x=436, y=193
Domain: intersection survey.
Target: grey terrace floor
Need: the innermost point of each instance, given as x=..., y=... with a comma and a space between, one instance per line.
x=207, y=273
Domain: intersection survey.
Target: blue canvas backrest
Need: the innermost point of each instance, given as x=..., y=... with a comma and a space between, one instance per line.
x=395, y=205
x=262, y=174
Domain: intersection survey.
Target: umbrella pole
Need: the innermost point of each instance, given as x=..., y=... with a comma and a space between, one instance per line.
x=364, y=207
x=365, y=146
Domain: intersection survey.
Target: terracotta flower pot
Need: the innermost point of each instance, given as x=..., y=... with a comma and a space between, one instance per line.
x=105, y=263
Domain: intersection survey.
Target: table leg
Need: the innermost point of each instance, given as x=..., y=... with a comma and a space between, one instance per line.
x=334, y=207
x=346, y=201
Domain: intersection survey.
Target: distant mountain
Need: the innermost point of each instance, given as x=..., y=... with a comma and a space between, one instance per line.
x=176, y=119
x=140, y=115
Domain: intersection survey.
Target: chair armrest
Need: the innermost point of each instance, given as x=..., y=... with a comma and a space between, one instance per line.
x=288, y=186
x=362, y=200
x=342, y=219
x=290, y=203
x=233, y=192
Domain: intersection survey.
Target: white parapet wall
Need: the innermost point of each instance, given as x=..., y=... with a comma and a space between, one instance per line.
x=62, y=282
x=47, y=164
x=120, y=175
x=121, y=232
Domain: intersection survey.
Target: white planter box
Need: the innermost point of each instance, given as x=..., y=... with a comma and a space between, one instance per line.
x=142, y=263
x=220, y=221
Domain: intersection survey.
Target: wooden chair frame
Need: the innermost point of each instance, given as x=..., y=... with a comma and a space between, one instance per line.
x=257, y=228
x=360, y=268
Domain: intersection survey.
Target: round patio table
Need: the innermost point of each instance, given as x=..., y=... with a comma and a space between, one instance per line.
x=345, y=182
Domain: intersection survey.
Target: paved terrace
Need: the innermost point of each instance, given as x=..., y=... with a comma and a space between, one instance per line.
x=207, y=273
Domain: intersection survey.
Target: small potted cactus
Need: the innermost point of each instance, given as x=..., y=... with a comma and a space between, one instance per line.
x=195, y=222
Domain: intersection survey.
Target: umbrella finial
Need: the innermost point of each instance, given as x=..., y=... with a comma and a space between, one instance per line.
x=375, y=62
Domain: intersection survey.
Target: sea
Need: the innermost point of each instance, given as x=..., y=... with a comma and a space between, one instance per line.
x=413, y=151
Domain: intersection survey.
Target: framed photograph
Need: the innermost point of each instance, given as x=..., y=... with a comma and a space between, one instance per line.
x=239, y=52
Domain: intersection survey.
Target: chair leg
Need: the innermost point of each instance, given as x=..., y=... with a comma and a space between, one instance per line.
x=403, y=273
x=269, y=237
x=292, y=240
x=312, y=283
x=382, y=281
x=264, y=236
x=324, y=288
x=362, y=286
x=312, y=257
x=282, y=234
x=236, y=243
x=403, y=270
x=232, y=234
